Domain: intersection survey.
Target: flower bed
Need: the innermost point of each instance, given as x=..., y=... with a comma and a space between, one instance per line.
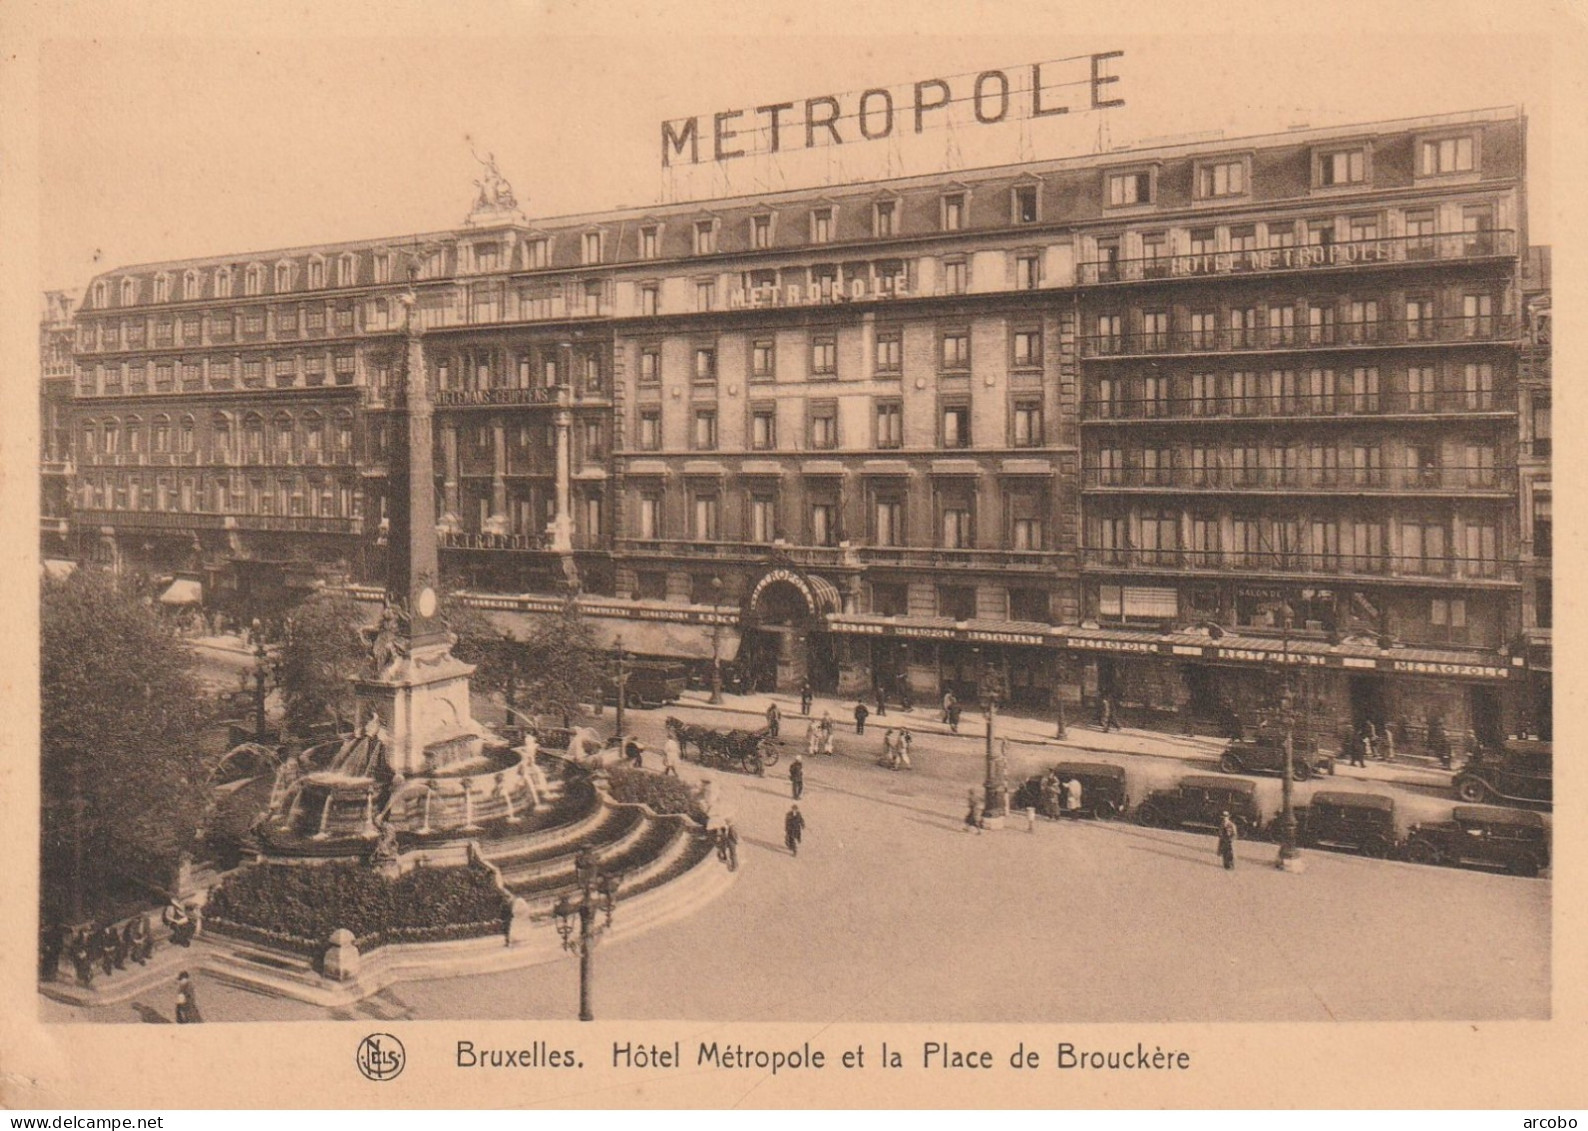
x=661, y=792
x=298, y=907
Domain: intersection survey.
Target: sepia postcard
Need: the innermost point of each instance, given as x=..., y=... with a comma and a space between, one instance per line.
x=916, y=555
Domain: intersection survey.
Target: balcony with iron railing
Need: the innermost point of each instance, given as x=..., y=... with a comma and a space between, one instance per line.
x=207, y=520
x=1268, y=408
x=1288, y=562
x=1418, y=250
x=851, y=556
x=1446, y=479
x=1458, y=330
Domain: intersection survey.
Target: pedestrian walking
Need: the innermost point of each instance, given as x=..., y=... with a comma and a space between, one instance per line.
x=1388, y=747
x=1227, y=836
x=861, y=714
x=671, y=754
x=187, y=1009
x=796, y=776
x=728, y=845
x=1369, y=739
x=793, y=829
x=112, y=957
x=774, y=719
x=82, y=957
x=953, y=717
x=906, y=740
x=1052, y=795
x=813, y=739
x=827, y=732
x=1110, y=714
x=973, y=815
x=632, y=751
x=882, y=702
x=949, y=705
x=805, y=697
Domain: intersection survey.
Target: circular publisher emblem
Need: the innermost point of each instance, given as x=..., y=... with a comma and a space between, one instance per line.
x=380, y=1056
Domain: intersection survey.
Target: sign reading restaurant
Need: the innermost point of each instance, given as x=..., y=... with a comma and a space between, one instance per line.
x=1028, y=92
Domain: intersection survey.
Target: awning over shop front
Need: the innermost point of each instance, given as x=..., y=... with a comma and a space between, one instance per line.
x=660, y=638
x=183, y=591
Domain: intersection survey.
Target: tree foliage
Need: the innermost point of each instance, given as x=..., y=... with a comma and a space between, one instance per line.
x=322, y=652
x=564, y=666
x=121, y=711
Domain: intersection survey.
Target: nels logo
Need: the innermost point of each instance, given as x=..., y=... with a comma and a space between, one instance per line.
x=381, y=1056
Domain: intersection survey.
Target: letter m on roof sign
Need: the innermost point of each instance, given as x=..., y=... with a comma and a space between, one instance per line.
x=674, y=140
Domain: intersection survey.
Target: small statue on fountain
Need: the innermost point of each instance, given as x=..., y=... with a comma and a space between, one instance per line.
x=384, y=854
x=385, y=642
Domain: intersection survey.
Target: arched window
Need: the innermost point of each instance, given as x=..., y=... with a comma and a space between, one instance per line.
x=254, y=279
x=221, y=437
x=283, y=277
x=190, y=283
x=160, y=434
x=162, y=287
x=129, y=292
x=90, y=438
x=313, y=435
x=185, y=433
x=223, y=282
x=254, y=435
x=316, y=273
x=134, y=430
x=112, y=436
x=346, y=270
x=101, y=295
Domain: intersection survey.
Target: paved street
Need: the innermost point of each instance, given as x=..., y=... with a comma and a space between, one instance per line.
x=893, y=912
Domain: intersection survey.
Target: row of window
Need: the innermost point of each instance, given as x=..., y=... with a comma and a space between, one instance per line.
x=1414, y=544
x=764, y=515
x=310, y=432
x=1025, y=426
x=1344, y=465
x=478, y=370
x=197, y=374
x=1291, y=392
x=222, y=326
x=297, y=495
x=282, y=277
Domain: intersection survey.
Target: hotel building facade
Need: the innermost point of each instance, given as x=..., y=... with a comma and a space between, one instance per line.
x=1153, y=424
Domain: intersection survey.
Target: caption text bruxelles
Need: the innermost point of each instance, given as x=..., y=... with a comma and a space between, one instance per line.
x=926, y=1055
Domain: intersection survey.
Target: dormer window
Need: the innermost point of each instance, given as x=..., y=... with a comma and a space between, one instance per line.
x=101, y=295
x=383, y=267
x=316, y=274
x=1335, y=168
x=821, y=225
x=649, y=242
x=537, y=253
x=953, y=217
x=1222, y=178
x=885, y=218
x=705, y=237
x=190, y=284
x=761, y=232
x=162, y=288
x=1023, y=204
x=254, y=279
x=1137, y=186
x=1439, y=156
x=592, y=247
x=129, y=292
x=346, y=270
x=487, y=256
x=283, y=278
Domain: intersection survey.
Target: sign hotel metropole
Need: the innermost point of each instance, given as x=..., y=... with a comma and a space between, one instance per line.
x=994, y=96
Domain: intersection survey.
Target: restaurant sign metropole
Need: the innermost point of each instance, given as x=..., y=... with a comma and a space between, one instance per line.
x=994, y=96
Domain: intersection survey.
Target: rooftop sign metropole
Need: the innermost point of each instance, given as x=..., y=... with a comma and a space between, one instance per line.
x=878, y=112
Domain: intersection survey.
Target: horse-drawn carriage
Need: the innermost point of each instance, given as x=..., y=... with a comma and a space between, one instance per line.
x=747, y=751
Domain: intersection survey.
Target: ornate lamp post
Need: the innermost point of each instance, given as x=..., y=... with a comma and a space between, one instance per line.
x=576, y=915
x=716, y=641
x=261, y=675
x=995, y=786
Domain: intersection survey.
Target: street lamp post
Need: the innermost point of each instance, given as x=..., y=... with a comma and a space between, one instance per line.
x=576, y=915
x=1287, y=813
x=622, y=682
x=716, y=642
x=994, y=787
x=261, y=672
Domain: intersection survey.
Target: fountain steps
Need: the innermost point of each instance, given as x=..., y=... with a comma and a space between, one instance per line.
x=634, y=852
x=612, y=831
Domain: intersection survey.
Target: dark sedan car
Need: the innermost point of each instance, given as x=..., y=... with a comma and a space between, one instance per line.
x=1360, y=822
x=1265, y=754
x=1486, y=835
x=1521, y=773
x=1103, y=793
x=1198, y=801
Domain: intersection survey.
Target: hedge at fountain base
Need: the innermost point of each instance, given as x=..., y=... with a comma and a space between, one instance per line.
x=298, y=907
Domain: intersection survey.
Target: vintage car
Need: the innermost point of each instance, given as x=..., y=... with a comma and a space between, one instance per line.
x=1361, y=822
x=1487, y=835
x=1103, y=793
x=1197, y=801
x=649, y=683
x=1264, y=753
x=1521, y=772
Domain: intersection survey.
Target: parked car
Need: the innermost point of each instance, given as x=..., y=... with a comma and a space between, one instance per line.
x=649, y=683
x=1103, y=793
x=1521, y=772
x=1197, y=802
x=1361, y=822
x=1487, y=835
x=1264, y=753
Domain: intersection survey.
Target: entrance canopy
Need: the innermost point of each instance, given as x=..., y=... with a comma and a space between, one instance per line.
x=183, y=591
x=820, y=595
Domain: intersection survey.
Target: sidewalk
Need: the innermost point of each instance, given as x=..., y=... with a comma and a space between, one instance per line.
x=1080, y=737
